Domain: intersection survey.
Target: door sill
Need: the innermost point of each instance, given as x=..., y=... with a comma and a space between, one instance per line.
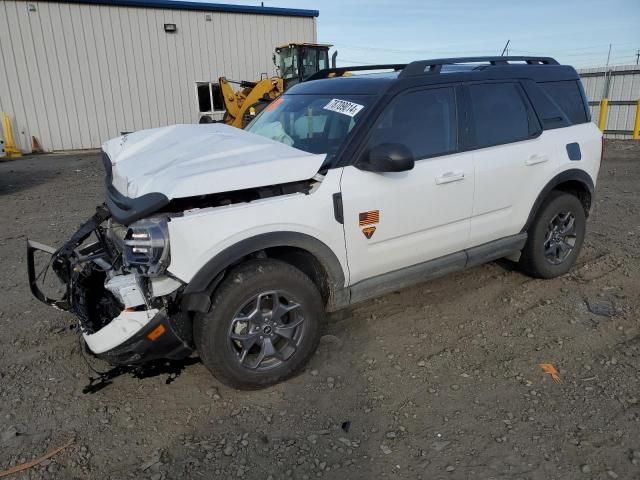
x=438, y=267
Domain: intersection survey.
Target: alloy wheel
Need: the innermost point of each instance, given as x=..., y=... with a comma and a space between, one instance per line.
x=267, y=330
x=560, y=239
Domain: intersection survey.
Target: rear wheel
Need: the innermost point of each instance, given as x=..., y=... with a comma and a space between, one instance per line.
x=555, y=237
x=265, y=323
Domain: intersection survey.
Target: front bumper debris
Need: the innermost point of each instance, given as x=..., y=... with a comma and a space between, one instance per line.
x=160, y=338
x=32, y=248
x=112, y=329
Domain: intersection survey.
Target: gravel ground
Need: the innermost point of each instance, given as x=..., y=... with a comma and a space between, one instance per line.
x=441, y=380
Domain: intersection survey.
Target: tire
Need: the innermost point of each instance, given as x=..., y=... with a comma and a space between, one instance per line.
x=546, y=253
x=235, y=333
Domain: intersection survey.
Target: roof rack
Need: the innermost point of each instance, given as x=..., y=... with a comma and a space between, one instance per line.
x=421, y=67
x=340, y=71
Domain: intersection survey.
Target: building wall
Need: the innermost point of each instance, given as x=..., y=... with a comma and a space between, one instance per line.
x=76, y=75
x=621, y=85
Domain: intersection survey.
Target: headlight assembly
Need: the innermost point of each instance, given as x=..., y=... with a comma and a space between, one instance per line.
x=146, y=246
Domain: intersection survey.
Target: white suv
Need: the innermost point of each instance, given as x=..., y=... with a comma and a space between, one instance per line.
x=235, y=243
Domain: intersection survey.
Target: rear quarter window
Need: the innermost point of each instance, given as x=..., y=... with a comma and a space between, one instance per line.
x=567, y=95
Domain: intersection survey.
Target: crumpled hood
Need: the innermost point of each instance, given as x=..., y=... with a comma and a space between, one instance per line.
x=189, y=160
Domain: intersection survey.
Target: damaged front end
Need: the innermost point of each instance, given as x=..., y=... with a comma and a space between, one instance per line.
x=116, y=285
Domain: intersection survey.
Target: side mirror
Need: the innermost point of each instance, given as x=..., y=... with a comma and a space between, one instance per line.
x=387, y=157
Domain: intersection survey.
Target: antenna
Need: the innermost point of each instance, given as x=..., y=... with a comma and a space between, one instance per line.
x=506, y=48
x=607, y=75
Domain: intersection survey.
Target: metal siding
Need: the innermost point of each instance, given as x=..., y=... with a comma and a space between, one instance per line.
x=621, y=87
x=56, y=80
x=90, y=88
x=26, y=107
x=75, y=75
x=78, y=75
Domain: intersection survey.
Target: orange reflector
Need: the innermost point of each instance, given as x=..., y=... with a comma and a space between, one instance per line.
x=156, y=333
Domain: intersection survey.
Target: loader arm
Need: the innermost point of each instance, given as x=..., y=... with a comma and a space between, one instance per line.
x=229, y=97
x=238, y=103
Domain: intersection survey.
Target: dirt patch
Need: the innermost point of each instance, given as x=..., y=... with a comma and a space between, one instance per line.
x=436, y=381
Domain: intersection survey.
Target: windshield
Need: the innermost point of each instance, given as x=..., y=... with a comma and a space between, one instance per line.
x=313, y=123
x=308, y=58
x=288, y=62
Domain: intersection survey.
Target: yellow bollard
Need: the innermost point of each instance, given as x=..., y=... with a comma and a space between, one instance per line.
x=602, y=121
x=9, y=144
x=636, y=125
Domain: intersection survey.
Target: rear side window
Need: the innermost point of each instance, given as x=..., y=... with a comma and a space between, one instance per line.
x=500, y=114
x=567, y=96
x=423, y=120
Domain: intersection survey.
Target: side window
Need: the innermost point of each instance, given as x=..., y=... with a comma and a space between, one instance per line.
x=567, y=96
x=424, y=121
x=500, y=114
x=549, y=113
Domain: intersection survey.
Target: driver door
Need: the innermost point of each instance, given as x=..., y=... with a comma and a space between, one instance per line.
x=395, y=220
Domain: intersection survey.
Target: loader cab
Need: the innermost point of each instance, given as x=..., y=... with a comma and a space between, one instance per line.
x=297, y=61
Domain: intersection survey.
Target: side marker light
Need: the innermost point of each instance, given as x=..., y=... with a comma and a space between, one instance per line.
x=156, y=333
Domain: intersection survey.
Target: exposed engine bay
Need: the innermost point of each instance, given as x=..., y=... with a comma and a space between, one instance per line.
x=115, y=285
x=116, y=280
x=114, y=269
x=178, y=205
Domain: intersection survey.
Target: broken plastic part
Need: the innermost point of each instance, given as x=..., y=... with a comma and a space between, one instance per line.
x=127, y=289
x=120, y=329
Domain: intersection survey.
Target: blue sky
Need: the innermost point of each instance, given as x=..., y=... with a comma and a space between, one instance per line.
x=376, y=31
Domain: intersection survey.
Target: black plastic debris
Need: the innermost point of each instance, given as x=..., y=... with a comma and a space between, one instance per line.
x=172, y=368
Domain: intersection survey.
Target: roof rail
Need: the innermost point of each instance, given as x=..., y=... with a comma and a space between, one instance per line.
x=421, y=67
x=340, y=71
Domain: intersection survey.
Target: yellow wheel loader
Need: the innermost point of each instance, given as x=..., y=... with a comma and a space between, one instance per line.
x=295, y=62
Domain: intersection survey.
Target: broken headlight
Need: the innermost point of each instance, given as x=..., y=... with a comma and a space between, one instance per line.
x=146, y=246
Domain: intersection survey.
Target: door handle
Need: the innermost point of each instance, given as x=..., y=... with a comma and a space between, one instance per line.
x=535, y=159
x=449, y=177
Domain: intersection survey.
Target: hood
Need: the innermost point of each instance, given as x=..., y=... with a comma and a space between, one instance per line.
x=190, y=160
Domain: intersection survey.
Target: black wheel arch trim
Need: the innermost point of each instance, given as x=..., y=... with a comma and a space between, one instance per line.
x=197, y=294
x=573, y=174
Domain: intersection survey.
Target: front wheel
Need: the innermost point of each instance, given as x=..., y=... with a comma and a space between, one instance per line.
x=555, y=237
x=264, y=325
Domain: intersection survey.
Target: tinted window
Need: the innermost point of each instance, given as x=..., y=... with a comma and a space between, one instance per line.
x=567, y=96
x=424, y=121
x=499, y=114
x=549, y=113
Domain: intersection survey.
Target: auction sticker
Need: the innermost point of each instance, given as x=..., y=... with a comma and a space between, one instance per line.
x=342, y=106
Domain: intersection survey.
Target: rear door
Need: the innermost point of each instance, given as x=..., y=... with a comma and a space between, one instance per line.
x=512, y=159
x=395, y=220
